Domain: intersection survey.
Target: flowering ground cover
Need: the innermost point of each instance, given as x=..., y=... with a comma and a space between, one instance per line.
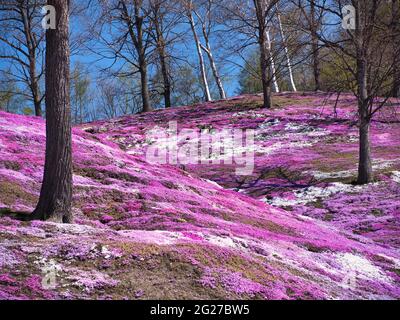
x=296, y=228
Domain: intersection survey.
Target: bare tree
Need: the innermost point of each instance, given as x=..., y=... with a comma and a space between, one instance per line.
x=314, y=24
x=263, y=10
x=312, y=15
x=109, y=99
x=249, y=22
x=188, y=11
x=206, y=19
x=56, y=192
x=22, y=36
x=80, y=93
x=158, y=15
x=123, y=28
x=362, y=50
x=8, y=96
x=165, y=18
x=285, y=46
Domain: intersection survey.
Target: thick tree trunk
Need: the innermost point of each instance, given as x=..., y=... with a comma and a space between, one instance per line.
x=162, y=55
x=37, y=106
x=396, y=47
x=206, y=88
x=365, y=174
x=315, y=48
x=167, y=82
x=56, y=193
x=396, y=78
x=265, y=54
x=265, y=68
x=144, y=88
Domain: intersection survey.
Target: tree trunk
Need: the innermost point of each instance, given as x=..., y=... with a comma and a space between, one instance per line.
x=265, y=73
x=201, y=59
x=396, y=47
x=396, y=78
x=365, y=174
x=56, y=192
x=164, y=64
x=272, y=63
x=214, y=69
x=314, y=47
x=265, y=57
x=34, y=84
x=137, y=40
x=37, y=101
x=289, y=64
x=144, y=84
x=213, y=65
x=38, y=107
x=33, y=80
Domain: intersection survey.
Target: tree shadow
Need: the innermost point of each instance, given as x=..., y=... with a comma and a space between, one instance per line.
x=16, y=215
x=290, y=180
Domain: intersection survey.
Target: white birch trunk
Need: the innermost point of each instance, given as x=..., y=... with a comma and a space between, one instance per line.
x=217, y=77
x=272, y=62
x=207, y=49
x=289, y=65
x=201, y=59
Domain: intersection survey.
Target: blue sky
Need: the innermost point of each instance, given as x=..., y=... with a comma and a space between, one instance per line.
x=92, y=63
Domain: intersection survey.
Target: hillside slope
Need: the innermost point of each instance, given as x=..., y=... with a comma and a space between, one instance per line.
x=157, y=231
x=306, y=153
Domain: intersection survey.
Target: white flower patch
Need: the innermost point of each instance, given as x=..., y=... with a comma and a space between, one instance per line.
x=269, y=123
x=281, y=202
x=214, y=183
x=332, y=175
x=361, y=268
x=396, y=176
x=269, y=150
x=313, y=194
x=378, y=164
x=224, y=242
x=155, y=237
x=297, y=127
x=353, y=138
x=77, y=229
x=382, y=164
x=305, y=129
x=248, y=114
